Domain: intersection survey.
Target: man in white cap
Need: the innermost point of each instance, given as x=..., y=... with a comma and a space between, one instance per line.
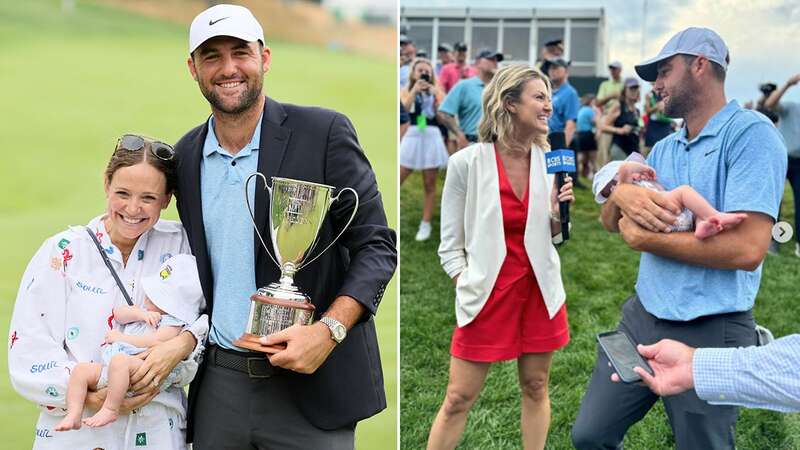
x=697, y=292
x=328, y=377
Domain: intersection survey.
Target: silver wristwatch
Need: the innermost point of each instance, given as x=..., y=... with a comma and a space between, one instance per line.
x=338, y=331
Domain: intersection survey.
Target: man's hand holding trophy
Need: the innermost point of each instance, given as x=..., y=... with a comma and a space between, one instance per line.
x=296, y=214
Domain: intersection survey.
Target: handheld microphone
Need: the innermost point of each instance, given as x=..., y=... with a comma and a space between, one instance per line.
x=561, y=162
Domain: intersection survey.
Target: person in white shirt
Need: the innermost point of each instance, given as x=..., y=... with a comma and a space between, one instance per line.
x=754, y=377
x=64, y=306
x=499, y=216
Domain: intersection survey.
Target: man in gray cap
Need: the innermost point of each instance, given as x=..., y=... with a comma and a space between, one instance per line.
x=697, y=292
x=304, y=387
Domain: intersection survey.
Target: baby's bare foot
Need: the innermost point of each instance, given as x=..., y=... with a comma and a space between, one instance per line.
x=70, y=422
x=728, y=220
x=103, y=417
x=706, y=228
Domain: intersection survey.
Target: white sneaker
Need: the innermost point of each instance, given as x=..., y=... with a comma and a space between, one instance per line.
x=424, y=232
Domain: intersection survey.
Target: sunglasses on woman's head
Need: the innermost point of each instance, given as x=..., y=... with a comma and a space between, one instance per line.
x=132, y=143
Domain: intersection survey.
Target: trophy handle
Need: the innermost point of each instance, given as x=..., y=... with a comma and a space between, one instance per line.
x=352, y=216
x=250, y=210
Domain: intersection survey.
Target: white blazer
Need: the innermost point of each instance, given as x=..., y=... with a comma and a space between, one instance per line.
x=472, y=238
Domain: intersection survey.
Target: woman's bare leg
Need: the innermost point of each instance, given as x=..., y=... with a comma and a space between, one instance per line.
x=463, y=388
x=429, y=198
x=404, y=173
x=534, y=373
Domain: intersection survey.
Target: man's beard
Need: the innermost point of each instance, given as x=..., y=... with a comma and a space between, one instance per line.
x=246, y=100
x=683, y=98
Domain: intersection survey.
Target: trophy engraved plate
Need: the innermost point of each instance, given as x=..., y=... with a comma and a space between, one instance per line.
x=296, y=214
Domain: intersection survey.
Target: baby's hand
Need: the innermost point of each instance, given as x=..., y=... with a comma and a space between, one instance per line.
x=631, y=171
x=152, y=318
x=113, y=336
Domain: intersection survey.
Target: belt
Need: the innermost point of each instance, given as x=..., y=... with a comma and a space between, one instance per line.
x=254, y=364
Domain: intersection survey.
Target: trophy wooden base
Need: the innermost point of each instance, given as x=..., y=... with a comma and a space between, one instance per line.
x=252, y=342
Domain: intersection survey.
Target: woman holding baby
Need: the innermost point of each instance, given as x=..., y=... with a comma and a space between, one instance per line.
x=63, y=312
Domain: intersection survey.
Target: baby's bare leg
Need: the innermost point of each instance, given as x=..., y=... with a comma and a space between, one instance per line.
x=120, y=370
x=688, y=198
x=708, y=221
x=84, y=376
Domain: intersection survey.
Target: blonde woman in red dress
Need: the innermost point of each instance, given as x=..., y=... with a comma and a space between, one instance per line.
x=499, y=225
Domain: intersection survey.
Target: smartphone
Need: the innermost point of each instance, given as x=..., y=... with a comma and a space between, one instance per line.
x=623, y=355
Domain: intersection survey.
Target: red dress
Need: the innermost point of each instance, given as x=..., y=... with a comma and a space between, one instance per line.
x=514, y=319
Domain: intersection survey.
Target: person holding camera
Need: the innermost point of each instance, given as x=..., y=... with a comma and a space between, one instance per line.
x=422, y=146
x=623, y=121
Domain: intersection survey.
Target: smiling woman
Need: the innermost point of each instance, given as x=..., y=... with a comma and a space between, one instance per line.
x=138, y=187
x=499, y=215
x=64, y=306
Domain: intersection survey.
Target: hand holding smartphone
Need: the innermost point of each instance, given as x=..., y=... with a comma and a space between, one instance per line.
x=623, y=355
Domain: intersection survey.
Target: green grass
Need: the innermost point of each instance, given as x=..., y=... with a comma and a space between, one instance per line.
x=599, y=273
x=74, y=83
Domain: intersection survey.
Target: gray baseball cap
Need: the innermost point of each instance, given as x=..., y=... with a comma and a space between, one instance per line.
x=691, y=41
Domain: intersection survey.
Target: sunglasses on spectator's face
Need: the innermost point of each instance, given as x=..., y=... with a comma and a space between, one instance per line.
x=132, y=143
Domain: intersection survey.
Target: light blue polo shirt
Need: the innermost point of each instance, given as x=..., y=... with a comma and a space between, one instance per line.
x=565, y=107
x=229, y=233
x=738, y=163
x=585, y=117
x=464, y=102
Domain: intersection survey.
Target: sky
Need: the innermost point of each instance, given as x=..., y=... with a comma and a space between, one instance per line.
x=763, y=36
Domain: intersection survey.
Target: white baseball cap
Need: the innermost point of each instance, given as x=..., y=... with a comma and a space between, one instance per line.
x=176, y=288
x=691, y=41
x=224, y=20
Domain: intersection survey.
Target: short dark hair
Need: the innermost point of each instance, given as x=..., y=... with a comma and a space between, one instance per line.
x=260, y=48
x=126, y=158
x=716, y=69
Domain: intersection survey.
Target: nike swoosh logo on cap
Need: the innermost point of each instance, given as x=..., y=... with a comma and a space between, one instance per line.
x=212, y=22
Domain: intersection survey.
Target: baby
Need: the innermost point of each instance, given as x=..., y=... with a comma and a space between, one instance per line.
x=173, y=299
x=634, y=169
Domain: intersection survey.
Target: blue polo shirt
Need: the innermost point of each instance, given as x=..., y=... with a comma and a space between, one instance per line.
x=565, y=107
x=738, y=163
x=464, y=102
x=585, y=117
x=229, y=233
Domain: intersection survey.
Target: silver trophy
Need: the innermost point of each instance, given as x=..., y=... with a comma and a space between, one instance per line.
x=297, y=210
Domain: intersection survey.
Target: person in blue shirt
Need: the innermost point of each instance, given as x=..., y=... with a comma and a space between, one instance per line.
x=464, y=100
x=753, y=377
x=565, y=105
x=585, y=139
x=700, y=292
